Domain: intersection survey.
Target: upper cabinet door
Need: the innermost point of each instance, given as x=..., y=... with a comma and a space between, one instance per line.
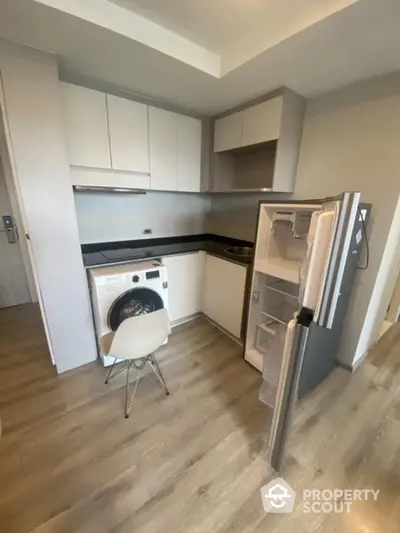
x=163, y=135
x=189, y=154
x=128, y=135
x=228, y=132
x=262, y=122
x=86, y=126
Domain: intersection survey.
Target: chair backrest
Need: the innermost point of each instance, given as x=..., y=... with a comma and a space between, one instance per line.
x=139, y=336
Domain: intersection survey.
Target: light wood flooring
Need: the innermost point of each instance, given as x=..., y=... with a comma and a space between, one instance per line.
x=192, y=462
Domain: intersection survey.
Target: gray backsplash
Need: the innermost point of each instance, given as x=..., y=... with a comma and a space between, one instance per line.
x=235, y=215
x=120, y=216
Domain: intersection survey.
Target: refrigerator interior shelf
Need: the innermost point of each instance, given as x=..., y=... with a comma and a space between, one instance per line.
x=268, y=326
x=279, y=268
x=282, y=287
x=280, y=313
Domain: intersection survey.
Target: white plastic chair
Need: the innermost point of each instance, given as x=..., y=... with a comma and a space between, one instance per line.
x=135, y=341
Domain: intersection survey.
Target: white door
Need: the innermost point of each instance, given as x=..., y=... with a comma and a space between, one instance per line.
x=185, y=284
x=128, y=134
x=224, y=293
x=86, y=126
x=189, y=154
x=163, y=136
x=228, y=132
x=14, y=289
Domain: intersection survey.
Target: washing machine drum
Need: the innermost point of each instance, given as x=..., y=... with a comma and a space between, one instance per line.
x=134, y=302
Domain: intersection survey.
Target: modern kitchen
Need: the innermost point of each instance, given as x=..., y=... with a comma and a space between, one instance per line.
x=259, y=213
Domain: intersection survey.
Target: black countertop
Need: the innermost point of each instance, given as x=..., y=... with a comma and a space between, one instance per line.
x=108, y=253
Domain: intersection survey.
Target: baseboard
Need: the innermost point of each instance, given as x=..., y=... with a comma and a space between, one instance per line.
x=184, y=320
x=201, y=314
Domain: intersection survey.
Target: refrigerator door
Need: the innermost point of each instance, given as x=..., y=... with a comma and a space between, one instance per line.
x=328, y=245
x=293, y=355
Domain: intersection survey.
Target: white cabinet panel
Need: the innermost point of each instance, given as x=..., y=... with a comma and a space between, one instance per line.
x=228, y=132
x=163, y=136
x=224, y=293
x=94, y=177
x=128, y=134
x=189, y=154
x=262, y=122
x=185, y=284
x=86, y=126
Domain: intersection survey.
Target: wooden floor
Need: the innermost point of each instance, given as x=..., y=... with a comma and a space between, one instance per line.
x=191, y=462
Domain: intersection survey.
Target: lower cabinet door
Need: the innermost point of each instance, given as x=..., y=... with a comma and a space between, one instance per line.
x=185, y=284
x=224, y=293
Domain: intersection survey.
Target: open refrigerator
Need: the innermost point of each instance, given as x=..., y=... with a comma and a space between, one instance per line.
x=306, y=257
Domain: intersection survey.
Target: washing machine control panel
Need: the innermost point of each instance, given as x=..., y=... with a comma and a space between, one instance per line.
x=152, y=274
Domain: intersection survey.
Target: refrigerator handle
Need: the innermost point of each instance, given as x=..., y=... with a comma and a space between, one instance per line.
x=287, y=391
x=338, y=257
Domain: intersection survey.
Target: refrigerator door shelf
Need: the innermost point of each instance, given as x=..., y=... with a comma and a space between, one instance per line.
x=328, y=246
x=286, y=396
x=314, y=268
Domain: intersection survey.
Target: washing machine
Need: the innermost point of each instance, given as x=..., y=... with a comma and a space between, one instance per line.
x=122, y=291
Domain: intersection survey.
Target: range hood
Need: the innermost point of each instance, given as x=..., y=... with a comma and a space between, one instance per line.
x=96, y=188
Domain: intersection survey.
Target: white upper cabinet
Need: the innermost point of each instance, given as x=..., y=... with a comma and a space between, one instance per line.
x=114, y=141
x=189, y=154
x=129, y=139
x=86, y=125
x=228, y=132
x=163, y=136
x=262, y=122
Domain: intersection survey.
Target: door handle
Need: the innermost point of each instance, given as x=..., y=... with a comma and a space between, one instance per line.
x=10, y=229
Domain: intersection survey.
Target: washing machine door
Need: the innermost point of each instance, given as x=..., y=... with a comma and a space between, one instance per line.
x=134, y=302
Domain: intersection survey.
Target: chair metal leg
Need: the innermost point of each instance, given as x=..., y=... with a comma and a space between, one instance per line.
x=109, y=376
x=109, y=372
x=157, y=371
x=128, y=405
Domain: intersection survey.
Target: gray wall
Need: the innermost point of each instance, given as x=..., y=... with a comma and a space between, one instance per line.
x=41, y=174
x=350, y=142
x=115, y=217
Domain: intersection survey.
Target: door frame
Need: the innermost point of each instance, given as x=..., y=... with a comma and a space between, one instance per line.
x=17, y=206
x=5, y=169
x=393, y=313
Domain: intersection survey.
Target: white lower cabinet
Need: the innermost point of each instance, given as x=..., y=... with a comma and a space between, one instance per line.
x=202, y=282
x=223, y=296
x=185, y=284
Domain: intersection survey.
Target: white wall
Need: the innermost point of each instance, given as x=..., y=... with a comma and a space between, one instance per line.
x=33, y=113
x=117, y=217
x=350, y=142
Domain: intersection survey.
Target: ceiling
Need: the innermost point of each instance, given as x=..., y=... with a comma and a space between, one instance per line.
x=211, y=55
x=236, y=30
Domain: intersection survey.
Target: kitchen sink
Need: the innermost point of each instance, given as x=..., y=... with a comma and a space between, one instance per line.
x=240, y=251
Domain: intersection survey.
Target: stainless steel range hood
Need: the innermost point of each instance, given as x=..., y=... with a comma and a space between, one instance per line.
x=95, y=188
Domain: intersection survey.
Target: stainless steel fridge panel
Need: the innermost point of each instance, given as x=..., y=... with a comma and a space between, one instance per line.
x=286, y=395
x=344, y=228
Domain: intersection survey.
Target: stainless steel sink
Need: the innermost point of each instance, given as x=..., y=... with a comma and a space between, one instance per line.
x=240, y=251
